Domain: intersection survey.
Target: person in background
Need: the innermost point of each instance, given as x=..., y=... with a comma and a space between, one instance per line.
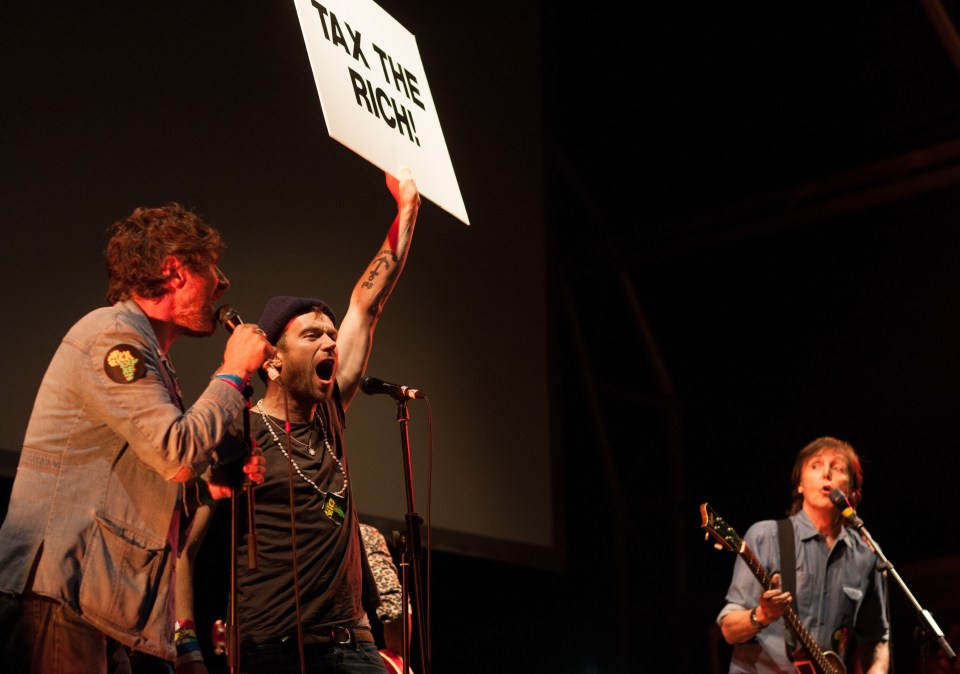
x=113, y=463
x=840, y=596
x=390, y=610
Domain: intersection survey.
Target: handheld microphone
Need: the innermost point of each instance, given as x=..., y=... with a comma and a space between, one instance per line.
x=846, y=509
x=228, y=317
x=372, y=386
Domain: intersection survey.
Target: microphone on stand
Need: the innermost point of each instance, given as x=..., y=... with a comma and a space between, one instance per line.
x=846, y=509
x=372, y=386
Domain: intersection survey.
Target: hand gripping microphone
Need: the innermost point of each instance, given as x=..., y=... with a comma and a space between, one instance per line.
x=372, y=386
x=846, y=509
x=228, y=317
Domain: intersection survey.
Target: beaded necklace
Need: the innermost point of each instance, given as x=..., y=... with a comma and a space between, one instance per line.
x=273, y=424
x=323, y=429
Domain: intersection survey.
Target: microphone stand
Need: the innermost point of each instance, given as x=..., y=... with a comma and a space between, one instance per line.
x=929, y=625
x=410, y=552
x=232, y=630
x=252, y=444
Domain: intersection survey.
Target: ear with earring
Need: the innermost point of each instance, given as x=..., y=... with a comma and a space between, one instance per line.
x=272, y=368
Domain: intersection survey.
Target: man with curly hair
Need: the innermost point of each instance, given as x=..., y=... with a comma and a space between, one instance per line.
x=113, y=463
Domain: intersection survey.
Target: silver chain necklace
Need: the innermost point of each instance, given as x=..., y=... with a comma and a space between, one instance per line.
x=273, y=424
x=267, y=422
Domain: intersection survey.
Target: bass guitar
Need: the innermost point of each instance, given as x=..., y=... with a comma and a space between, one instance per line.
x=820, y=661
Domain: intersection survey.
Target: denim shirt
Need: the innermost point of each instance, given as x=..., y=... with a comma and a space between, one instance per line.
x=839, y=593
x=99, y=482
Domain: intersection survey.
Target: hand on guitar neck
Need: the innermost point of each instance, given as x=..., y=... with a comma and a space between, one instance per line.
x=774, y=602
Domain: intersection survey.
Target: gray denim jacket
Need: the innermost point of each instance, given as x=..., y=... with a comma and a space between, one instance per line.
x=94, y=486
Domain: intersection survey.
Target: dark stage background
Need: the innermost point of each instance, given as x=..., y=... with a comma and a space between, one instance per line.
x=750, y=215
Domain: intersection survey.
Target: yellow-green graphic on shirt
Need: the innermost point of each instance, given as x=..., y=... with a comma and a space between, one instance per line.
x=124, y=364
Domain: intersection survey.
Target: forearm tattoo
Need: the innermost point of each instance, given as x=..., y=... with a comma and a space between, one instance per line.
x=383, y=261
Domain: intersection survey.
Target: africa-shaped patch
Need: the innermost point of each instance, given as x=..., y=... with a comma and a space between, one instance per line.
x=124, y=364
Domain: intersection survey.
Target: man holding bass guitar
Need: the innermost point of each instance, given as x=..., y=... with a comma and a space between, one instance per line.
x=840, y=598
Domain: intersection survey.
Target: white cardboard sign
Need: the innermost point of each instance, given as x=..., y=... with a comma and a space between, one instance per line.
x=374, y=94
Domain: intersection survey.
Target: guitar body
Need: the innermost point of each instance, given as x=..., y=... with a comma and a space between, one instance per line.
x=817, y=660
x=832, y=664
x=393, y=662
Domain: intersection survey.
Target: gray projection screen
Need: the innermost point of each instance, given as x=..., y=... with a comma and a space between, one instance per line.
x=108, y=106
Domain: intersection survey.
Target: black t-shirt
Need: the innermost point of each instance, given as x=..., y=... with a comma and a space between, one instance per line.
x=330, y=562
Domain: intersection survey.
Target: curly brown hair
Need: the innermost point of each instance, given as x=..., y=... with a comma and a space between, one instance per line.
x=854, y=470
x=139, y=244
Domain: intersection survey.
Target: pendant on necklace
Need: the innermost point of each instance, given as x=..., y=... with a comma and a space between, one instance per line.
x=310, y=450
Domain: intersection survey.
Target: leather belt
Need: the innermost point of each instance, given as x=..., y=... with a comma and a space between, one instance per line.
x=341, y=636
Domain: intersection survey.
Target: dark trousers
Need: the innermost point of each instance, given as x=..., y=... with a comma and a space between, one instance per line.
x=355, y=658
x=49, y=638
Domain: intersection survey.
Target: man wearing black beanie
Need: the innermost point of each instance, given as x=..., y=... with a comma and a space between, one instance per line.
x=305, y=598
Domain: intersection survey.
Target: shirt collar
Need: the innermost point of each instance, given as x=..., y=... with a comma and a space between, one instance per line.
x=804, y=526
x=807, y=531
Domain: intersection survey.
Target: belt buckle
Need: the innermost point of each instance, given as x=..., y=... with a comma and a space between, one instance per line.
x=341, y=635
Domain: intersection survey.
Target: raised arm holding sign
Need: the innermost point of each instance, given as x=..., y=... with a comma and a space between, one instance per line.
x=375, y=96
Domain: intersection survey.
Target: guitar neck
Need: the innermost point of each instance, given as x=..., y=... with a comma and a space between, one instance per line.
x=790, y=616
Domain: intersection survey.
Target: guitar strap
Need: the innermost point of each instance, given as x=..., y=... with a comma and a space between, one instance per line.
x=788, y=574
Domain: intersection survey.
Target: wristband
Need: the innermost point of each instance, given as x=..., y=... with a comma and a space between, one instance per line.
x=184, y=659
x=754, y=620
x=183, y=634
x=235, y=380
x=188, y=645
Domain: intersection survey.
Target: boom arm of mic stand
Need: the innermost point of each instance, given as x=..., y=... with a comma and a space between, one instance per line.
x=930, y=625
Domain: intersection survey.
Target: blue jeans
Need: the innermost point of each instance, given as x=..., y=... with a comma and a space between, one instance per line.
x=360, y=658
x=49, y=638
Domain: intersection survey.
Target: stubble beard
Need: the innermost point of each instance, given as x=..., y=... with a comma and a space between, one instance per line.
x=306, y=388
x=197, y=323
